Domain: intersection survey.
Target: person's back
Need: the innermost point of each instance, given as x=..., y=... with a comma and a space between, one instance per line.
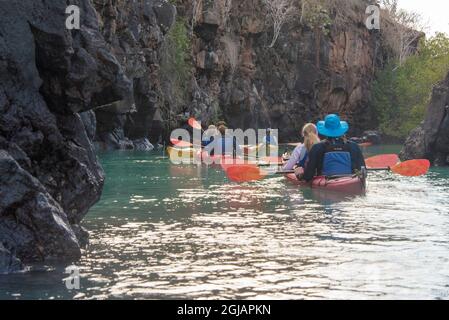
x=226, y=144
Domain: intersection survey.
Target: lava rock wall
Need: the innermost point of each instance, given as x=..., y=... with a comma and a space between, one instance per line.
x=49, y=173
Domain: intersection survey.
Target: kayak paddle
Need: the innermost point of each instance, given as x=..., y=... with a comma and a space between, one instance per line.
x=382, y=161
x=181, y=143
x=411, y=168
x=290, y=144
x=248, y=172
x=194, y=124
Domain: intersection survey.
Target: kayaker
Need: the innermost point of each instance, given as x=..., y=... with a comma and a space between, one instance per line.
x=269, y=142
x=300, y=154
x=270, y=139
x=209, y=135
x=226, y=143
x=335, y=156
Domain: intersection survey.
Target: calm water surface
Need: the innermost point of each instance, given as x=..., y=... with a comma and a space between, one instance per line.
x=163, y=231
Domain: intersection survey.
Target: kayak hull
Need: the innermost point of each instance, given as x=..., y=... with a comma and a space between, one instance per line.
x=180, y=153
x=348, y=185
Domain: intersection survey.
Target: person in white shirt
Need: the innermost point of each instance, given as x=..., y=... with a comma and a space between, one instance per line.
x=300, y=155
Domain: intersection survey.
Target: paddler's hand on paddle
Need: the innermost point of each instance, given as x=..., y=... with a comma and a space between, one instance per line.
x=299, y=172
x=285, y=157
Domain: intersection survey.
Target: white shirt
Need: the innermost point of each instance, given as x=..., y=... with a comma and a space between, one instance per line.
x=298, y=155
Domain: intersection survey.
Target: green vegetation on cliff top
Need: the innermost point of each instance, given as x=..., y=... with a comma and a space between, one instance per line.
x=176, y=64
x=402, y=93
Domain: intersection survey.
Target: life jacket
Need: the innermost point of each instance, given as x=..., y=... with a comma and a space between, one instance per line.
x=205, y=142
x=337, y=158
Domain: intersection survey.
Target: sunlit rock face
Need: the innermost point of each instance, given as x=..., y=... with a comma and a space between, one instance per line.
x=304, y=76
x=235, y=76
x=431, y=139
x=49, y=173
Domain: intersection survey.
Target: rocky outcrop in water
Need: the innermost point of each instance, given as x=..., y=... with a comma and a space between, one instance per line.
x=431, y=139
x=49, y=174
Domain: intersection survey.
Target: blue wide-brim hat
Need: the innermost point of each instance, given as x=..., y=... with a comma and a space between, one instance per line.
x=332, y=127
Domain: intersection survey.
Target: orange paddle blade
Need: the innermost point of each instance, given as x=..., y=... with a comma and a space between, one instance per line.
x=244, y=173
x=382, y=161
x=180, y=143
x=412, y=168
x=194, y=124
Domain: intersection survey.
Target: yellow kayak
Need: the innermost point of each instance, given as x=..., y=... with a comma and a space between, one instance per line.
x=181, y=153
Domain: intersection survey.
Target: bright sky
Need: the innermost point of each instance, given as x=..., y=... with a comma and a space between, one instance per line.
x=434, y=12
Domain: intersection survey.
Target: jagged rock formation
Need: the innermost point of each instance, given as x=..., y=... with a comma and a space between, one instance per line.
x=431, y=139
x=306, y=75
x=49, y=174
x=135, y=31
x=234, y=75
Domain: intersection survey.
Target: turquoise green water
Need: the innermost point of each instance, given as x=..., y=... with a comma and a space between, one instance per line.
x=164, y=231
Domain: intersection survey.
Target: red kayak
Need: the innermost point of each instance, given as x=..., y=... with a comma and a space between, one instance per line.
x=348, y=185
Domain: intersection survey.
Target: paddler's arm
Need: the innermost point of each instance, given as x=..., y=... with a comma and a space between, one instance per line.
x=357, y=157
x=315, y=157
x=295, y=158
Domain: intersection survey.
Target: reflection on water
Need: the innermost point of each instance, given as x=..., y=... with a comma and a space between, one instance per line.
x=164, y=231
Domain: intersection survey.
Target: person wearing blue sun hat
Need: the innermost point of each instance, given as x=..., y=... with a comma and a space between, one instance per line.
x=334, y=156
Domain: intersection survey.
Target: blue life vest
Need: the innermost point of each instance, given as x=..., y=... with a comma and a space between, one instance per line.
x=337, y=159
x=205, y=143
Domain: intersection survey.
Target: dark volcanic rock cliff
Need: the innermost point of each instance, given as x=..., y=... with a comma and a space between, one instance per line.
x=49, y=174
x=234, y=75
x=135, y=31
x=307, y=74
x=431, y=139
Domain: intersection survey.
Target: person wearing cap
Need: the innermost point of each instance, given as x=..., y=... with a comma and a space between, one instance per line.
x=334, y=156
